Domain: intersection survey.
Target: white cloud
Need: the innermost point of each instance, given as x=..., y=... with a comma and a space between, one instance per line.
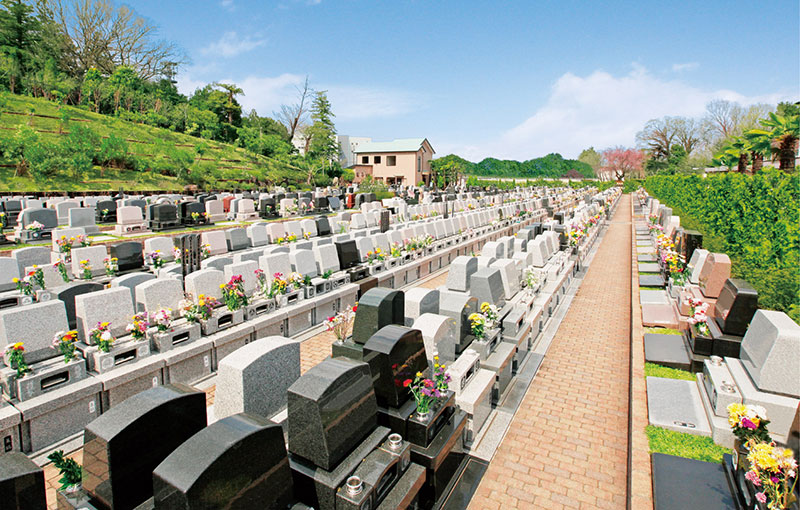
x=351, y=102
x=231, y=44
x=686, y=66
x=267, y=94
x=227, y=4
x=602, y=110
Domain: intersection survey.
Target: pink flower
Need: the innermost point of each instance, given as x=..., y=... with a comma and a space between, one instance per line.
x=752, y=477
x=746, y=423
x=761, y=497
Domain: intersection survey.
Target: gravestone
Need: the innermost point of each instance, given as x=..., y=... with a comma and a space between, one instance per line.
x=68, y=294
x=459, y=307
x=129, y=255
x=696, y=263
x=237, y=462
x=241, y=376
x=419, y=301
x=105, y=211
x=21, y=483
x=114, y=305
x=9, y=270
x=326, y=258
x=461, y=269
x=331, y=408
x=509, y=275
x=130, y=281
x=118, y=468
x=153, y=295
x=735, y=307
x=162, y=244
x=276, y=263
x=257, y=235
x=245, y=269
x=217, y=242
x=81, y=217
x=487, y=286
x=35, y=325
x=440, y=335
x=303, y=262
x=394, y=354
x=236, y=239
x=347, y=253
x=206, y=282
x=32, y=255
x=378, y=307
x=770, y=351
x=714, y=273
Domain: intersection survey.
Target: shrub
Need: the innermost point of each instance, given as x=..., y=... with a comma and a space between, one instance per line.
x=753, y=219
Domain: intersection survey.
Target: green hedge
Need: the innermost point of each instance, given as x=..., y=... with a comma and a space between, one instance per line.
x=754, y=219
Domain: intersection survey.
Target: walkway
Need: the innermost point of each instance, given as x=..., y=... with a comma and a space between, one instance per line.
x=567, y=446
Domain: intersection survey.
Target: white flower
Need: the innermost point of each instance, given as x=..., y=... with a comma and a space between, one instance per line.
x=106, y=335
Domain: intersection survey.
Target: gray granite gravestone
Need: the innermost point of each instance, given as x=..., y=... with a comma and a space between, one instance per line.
x=377, y=308
x=461, y=269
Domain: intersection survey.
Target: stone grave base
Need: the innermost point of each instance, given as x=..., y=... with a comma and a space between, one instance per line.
x=179, y=334
x=128, y=380
x=10, y=418
x=121, y=353
x=230, y=339
x=441, y=458
x=676, y=405
x=128, y=229
x=689, y=484
x=476, y=400
x=189, y=362
x=222, y=319
x=271, y=324
x=300, y=317
x=46, y=376
x=54, y=416
x=666, y=350
x=501, y=362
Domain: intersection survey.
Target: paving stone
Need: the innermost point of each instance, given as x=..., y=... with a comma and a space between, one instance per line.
x=654, y=297
x=648, y=280
x=675, y=405
x=689, y=484
x=649, y=267
x=655, y=315
x=667, y=350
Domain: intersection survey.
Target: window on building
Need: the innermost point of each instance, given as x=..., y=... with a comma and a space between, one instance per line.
x=376, y=159
x=391, y=160
x=365, y=160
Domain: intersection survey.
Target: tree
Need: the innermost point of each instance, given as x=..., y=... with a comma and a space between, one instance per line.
x=759, y=143
x=724, y=117
x=784, y=131
x=292, y=116
x=322, y=133
x=106, y=37
x=19, y=36
x=231, y=106
x=122, y=80
x=621, y=162
x=591, y=158
x=734, y=152
x=658, y=136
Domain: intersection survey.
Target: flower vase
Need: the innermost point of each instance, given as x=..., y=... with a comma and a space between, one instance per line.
x=423, y=417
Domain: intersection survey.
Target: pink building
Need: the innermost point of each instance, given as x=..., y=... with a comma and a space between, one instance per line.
x=404, y=161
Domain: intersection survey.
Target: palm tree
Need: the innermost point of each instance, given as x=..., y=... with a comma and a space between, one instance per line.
x=759, y=143
x=784, y=131
x=734, y=152
x=233, y=90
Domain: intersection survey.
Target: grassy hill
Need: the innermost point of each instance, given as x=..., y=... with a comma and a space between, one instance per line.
x=149, y=145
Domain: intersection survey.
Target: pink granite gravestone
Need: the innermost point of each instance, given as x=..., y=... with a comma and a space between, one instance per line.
x=714, y=274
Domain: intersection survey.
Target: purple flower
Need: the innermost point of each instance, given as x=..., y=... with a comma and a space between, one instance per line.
x=774, y=479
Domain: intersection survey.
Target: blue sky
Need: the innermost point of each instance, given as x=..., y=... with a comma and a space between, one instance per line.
x=509, y=79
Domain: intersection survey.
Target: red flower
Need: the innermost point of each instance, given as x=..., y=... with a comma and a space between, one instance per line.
x=406, y=383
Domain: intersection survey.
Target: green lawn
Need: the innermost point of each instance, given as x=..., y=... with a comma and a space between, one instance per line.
x=662, y=331
x=656, y=370
x=684, y=445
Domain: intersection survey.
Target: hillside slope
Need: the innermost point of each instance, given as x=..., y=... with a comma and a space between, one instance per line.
x=154, y=149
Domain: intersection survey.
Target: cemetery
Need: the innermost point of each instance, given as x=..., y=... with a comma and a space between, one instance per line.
x=331, y=350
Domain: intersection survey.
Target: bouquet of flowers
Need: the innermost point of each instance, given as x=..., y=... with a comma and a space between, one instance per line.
x=699, y=319
x=101, y=335
x=155, y=260
x=103, y=215
x=176, y=254
x=278, y=285
x=162, y=319
x=342, y=226
x=440, y=375
x=86, y=270
x=111, y=265
x=424, y=392
x=64, y=342
x=773, y=471
x=71, y=472
x=396, y=250
x=341, y=323
x=82, y=240
x=138, y=328
x=59, y=266
x=202, y=310
x=34, y=227
x=37, y=276
x=233, y=294
x=531, y=277
x=205, y=251
x=306, y=236
x=15, y=358
x=375, y=256
x=576, y=233
x=748, y=422
x=65, y=244
x=296, y=280
x=477, y=325
x=490, y=313
x=24, y=285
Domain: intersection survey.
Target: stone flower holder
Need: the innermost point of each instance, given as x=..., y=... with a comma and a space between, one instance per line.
x=44, y=377
x=338, y=279
x=393, y=262
x=700, y=344
x=121, y=353
x=26, y=236
x=177, y=334
x=259, y=306
x=487, y=344
x=376, y=267
x=421, y=432
x=320, y=286
x=14, y=298
x=222, y=319
x=289, y=298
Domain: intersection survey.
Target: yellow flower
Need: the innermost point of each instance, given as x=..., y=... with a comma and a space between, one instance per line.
x=15, y=280
x=419, y=374
x=435, y=365
x=104, y=324
x=436, y=358
x=221, y=285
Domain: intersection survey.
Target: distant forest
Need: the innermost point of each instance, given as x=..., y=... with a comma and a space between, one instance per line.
x=552, y=165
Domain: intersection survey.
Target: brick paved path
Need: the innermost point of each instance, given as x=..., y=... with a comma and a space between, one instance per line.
x=567, y=445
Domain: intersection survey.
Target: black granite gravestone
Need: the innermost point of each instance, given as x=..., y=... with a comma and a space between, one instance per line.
x=124, y=445
x=266, y=208
x=105, y=211
x=321, y=203
x=347, y=253
x=189, y=208
x=331, y=408
x=67, y=295
x=692, y=240
x=129, y=255
x=21, y=483
x=12, y=208
x=735, y=307
x=395, y=354
x=162, y=217
x=384, y=224
x=378, y=307
x=323, y=226
x=239, y=462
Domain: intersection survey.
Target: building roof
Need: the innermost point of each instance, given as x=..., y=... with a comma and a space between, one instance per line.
x=399, y=145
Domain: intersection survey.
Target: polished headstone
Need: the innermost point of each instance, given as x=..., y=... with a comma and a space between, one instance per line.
x=378, y=307
x=395, y=354
x=770, y=352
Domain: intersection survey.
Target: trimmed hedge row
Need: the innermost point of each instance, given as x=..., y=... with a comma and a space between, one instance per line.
x=754, y=219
